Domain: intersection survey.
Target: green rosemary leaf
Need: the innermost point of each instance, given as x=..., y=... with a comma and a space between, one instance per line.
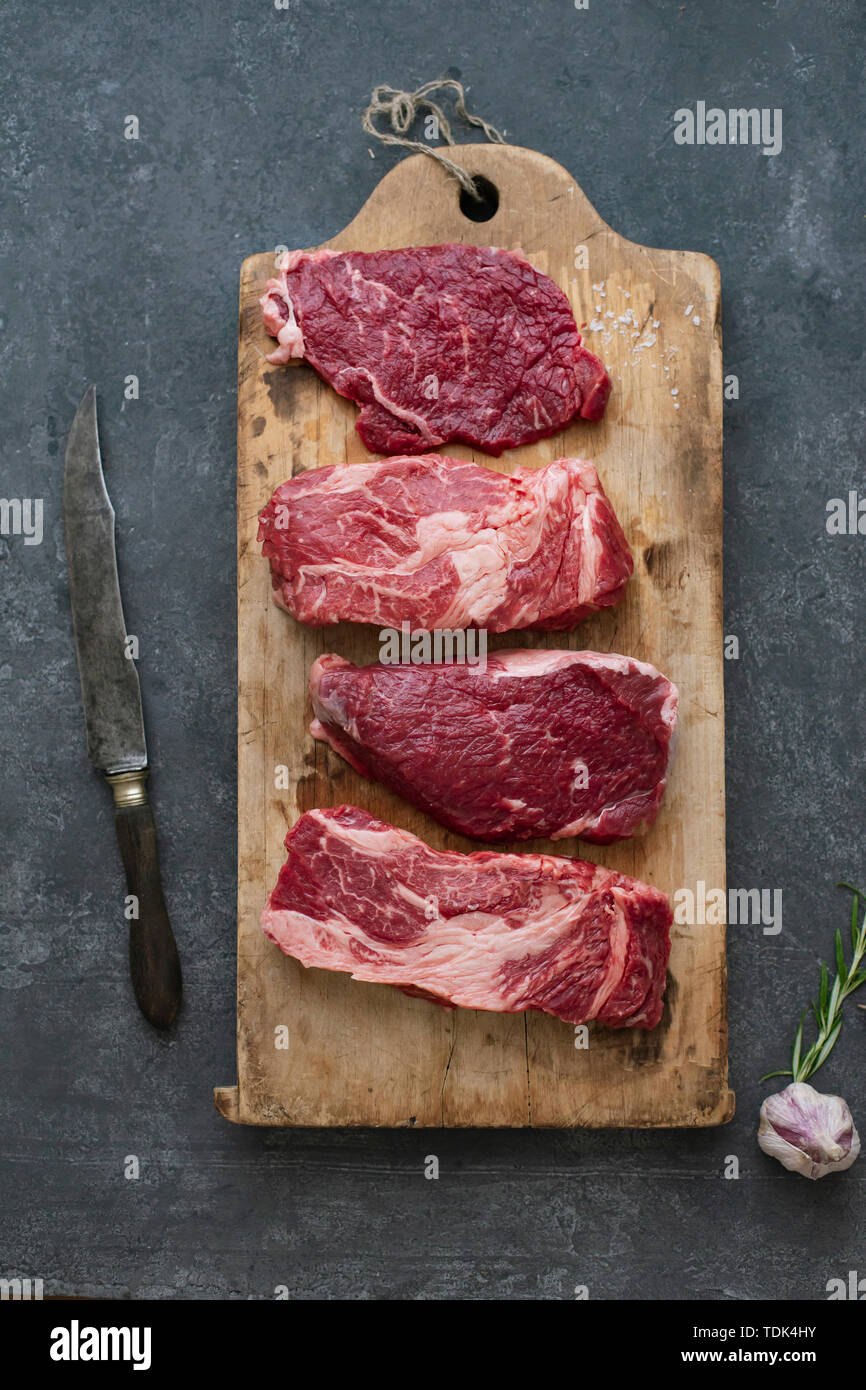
x=767, y=1076
x=835, y=995
x=807, y=1063
x=829, y=1044
x=798, y=1045
x=825, y=986
x=841, y=967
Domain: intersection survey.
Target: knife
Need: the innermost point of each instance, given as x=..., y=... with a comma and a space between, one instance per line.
x=112, y=712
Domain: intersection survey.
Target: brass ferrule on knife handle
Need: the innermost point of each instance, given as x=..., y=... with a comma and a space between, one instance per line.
x=128, y=787
x=153, y=957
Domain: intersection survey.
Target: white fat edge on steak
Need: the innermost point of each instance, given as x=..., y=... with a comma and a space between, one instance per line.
x=516, y=661
x=288, y=334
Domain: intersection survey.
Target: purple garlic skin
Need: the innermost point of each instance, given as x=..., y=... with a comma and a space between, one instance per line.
x=808, y=1132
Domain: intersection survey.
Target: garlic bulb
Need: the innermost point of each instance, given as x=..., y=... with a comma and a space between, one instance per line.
x=808, y=1132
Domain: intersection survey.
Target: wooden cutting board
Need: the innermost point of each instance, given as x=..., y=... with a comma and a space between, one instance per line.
x=317, y=1048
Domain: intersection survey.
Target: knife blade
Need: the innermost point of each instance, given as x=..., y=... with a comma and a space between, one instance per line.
x=111, y=697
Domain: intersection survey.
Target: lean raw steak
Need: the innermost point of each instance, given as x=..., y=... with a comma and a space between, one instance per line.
x=442, y=543
x=505, y=932
x=539, y=743
x=437, y=343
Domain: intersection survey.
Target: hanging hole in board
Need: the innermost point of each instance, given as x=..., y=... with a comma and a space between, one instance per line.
x=483, y=208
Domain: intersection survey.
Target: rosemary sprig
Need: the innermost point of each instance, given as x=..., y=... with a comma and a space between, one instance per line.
x=828, y=1010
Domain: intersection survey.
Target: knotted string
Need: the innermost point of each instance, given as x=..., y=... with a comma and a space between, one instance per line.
x=402, y=108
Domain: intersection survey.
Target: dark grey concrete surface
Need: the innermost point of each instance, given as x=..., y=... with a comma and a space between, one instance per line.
x=122, y=257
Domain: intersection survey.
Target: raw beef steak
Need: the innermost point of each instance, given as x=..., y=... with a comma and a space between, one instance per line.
x=505, y=932
x=442, y=543
x=437, y=343
x=539, y=744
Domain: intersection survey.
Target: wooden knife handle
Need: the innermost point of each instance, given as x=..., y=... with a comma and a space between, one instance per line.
x=153, y=959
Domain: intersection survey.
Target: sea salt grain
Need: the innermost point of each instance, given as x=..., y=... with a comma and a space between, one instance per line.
x=639, y=335
x=689, y=310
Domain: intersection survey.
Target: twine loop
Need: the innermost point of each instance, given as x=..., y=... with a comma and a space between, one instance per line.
x=401, y=109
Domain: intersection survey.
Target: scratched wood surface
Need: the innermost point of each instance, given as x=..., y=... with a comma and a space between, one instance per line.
x=361, y=1054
